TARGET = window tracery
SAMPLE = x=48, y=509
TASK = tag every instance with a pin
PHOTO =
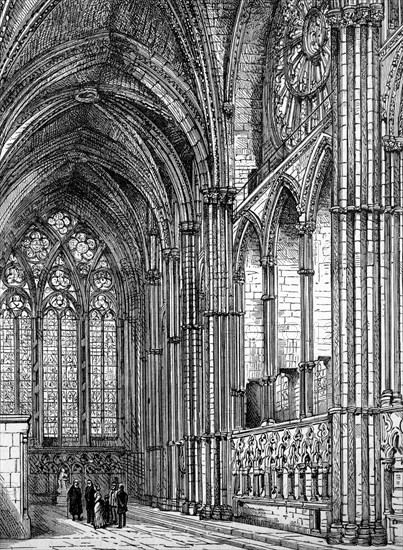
x=47, y=269
x=300, y=66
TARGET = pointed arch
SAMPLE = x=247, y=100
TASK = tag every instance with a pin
x=319, y=165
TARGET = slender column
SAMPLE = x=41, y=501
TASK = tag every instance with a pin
x=153, y=374
x=238, y=370
x=388, y=484
x=267, y=413
x=24, y=482
x=306, y=273
x=355, y=273
x=392, y=257
x=173, y=376
x=190, y=347
x=271, y=333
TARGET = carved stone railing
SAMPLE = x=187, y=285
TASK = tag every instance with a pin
x=283, y=463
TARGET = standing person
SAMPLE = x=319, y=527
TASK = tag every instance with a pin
x=121, y=500
x=75, y=496
x=99, y=509
x=113, y=513
x=90, y=501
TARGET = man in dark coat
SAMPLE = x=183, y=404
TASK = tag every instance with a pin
x=113, y=514
x=74, y=496
x=90, y=501
x=121, y=501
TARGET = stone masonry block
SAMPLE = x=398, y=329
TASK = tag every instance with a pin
x=6, y=440
x=9, y=465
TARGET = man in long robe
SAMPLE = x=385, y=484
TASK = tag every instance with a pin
x=75, y=496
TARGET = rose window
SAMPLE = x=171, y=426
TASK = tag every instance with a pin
x=300, y=68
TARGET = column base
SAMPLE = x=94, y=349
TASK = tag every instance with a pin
x=226, y=512
x=216, y=512
x=364, y=535
x=25, y=528
x=192, y=508
x=206, y=512
x=334, y=536
x=350, y=534
x=397, y=398
x=165, y=504
x=386, y=397
x=184, y=506
x=379, y=536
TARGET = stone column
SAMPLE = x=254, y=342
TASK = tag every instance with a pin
x=388, y=464
x=392, y=262
x=238, y=353
x=218, y=235
x=173, y=382
x=269, y=324
x=356, y=493
x=190, y=354
x=153, y=382
x=306, y=273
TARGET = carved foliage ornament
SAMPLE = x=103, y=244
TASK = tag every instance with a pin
x=300, y=51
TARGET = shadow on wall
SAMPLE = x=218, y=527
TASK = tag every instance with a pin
x=10, y=522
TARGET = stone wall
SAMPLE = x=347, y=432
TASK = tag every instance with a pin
x=15, y=522
x=288, y=281
x=254, y=336
x=322, y=296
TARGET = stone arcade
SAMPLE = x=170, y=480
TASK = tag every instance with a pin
x=201, y=239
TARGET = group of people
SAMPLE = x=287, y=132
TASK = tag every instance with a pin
x=101, y=512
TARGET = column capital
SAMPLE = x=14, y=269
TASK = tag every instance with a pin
x=306, y=365
x=219, y=195
x=237, y=393
x=155, y=351
x=173, y=340
x=228, y=109
x=153, y=277
x=171, y=254
x=239, y=277
x=306, y=227
x=361, y=14
x=393, y=143
x=307, y=272
x=189, y=227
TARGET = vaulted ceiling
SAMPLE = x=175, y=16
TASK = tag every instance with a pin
x=124, y=98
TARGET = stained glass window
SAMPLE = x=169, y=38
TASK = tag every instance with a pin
x=15, y=340
x=59, y=271
x=69, y=376
x=25, y=351
x=50, y=375
x=7, y=364
x=103, y=352
x=110, y=371
x=96, y=372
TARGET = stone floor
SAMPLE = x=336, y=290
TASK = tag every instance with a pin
x=151, y=529
x=52, y=530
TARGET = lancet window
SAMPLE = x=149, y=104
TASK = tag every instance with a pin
x=59, y=333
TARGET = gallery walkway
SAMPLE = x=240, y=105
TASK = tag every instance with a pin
x=151, y=529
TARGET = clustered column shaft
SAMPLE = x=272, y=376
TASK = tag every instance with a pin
x=356, y=502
